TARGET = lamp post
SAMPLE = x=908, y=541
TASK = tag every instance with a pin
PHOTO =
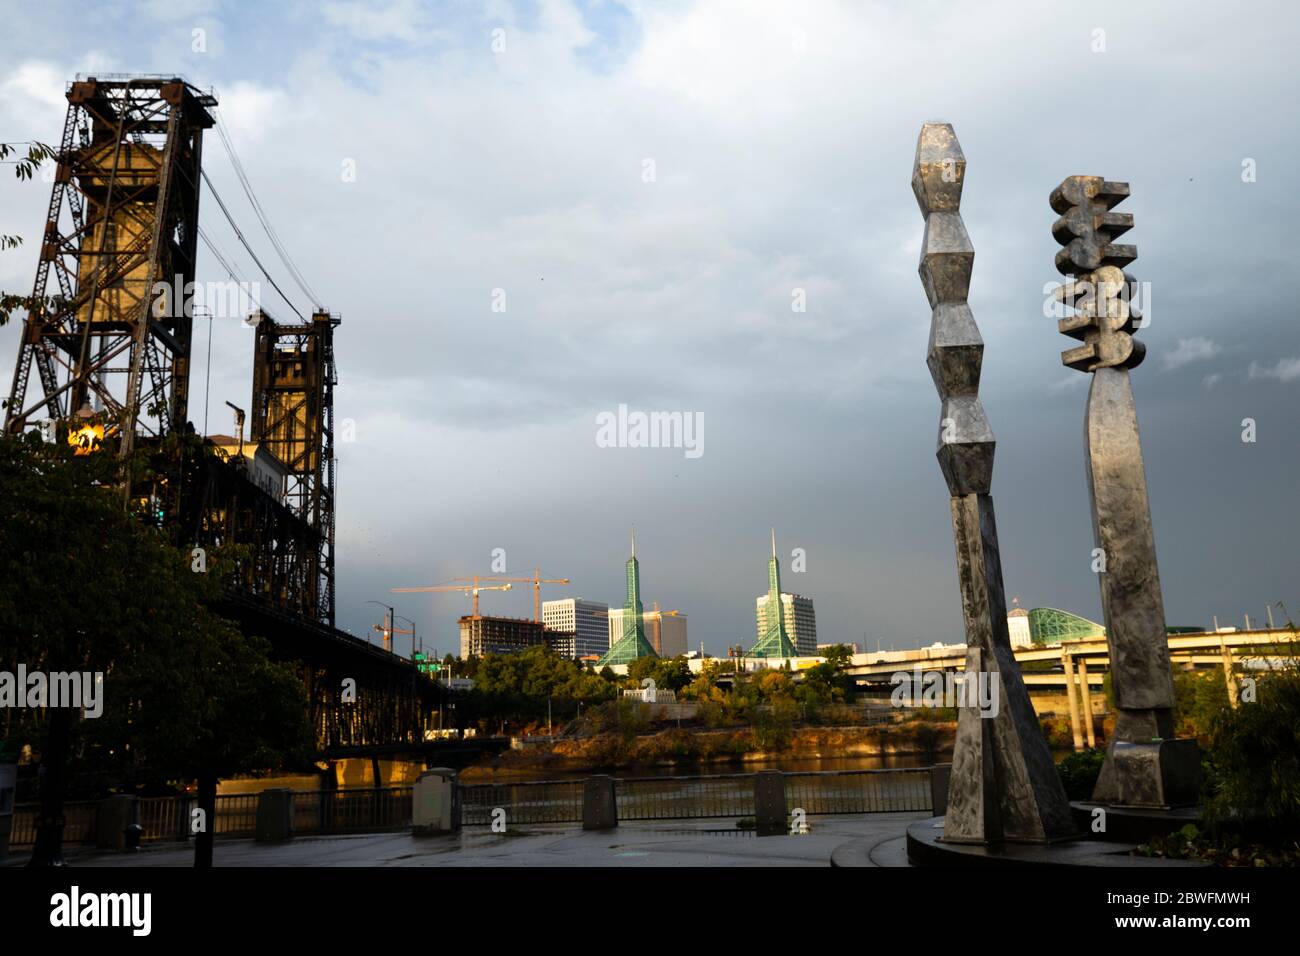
x=407, y=620
x=388, y=630
x=207, y=378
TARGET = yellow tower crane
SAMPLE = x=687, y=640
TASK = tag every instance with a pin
x=473, y=588
x=536, y=581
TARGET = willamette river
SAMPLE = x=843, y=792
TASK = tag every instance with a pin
x=482, y=773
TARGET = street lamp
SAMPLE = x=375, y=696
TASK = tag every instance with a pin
x=207, y=378
x=412, y=623
x=388, y=630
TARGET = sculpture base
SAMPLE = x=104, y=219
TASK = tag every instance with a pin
x=1154, y=775
x=1131, y=824
x=924, y=848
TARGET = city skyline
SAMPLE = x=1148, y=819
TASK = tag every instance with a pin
x=693, y=311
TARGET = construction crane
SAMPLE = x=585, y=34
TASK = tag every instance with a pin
x=536, y=581
x=473, y=588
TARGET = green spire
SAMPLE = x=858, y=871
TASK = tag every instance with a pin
x=775, y=641
x=633, y=643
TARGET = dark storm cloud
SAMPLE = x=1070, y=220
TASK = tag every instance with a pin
x=782, y=143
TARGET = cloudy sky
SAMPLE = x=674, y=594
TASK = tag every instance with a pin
x=649, y=183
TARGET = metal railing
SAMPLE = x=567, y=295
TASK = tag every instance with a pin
x=534, y=801
x=859, y=791
x=323, y=812
x=684, y=798
x=80, y=819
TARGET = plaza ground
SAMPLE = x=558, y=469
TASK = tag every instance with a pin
x=696, y=843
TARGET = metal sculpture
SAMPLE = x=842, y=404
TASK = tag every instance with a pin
x=1144, y=766
x=1004, y=786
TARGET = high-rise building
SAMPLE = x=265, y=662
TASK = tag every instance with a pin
x=632, y=644
x=666, y=631
x=576, y=628
x=776, y=617
x=800, y=621
x=1018, y=627
x=481, y=635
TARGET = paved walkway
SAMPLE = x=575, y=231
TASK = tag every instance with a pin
x=698, y=843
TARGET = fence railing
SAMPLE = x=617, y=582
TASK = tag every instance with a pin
x=533, y=801
x=323, y=812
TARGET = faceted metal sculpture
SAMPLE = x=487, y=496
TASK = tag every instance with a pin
x=1143, y=767
x=1004, y=785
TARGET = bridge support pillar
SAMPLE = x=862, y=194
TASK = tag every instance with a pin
x=770, y=816
x=1076, y=730
x=599, y=806
x=1085, y=700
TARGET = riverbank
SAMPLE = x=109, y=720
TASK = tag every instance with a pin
x=718, y=750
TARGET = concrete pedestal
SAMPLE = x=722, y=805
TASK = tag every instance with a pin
x=435, y=802
x=274, y=816
x=1158, y=774
x=115, y=815
x=599, y=806
x=770, y=817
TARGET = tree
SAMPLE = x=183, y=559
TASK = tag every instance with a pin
x=24, y=169
x=839, y=657
x=87, y=586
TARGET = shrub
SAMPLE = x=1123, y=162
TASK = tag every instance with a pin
x=1079, y=771
x=1255, y=750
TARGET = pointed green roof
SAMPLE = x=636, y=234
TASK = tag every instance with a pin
x=633, y=643
x=775, y=641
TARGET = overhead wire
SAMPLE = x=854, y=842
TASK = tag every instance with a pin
x=294, y=272
x=249, y=249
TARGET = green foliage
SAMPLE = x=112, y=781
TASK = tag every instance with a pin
x=667, y=673
x=24, y=169
x=1220, y=849
x=87, y=586
x=1199, y=698
x=1255, y=750
x=838, y=657
x=517, y=687
x=1079, y=771
x=773, y=725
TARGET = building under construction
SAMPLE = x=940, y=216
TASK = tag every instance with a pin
x=498, y=635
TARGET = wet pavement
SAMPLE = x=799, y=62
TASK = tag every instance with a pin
x=696, y=843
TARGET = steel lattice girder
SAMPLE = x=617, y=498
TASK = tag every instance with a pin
x=123, y=217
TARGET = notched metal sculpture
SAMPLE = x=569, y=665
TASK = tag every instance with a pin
x=1004, y=785
x=1144, y=766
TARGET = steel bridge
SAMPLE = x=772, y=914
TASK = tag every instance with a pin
x=109, y=332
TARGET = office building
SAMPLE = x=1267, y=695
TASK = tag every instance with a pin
x=665, y=630
x=576, y=628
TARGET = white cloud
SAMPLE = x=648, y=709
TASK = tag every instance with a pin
x=397, y=20
x=1188, y=351
x=250, y=112
x=1285, y=370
